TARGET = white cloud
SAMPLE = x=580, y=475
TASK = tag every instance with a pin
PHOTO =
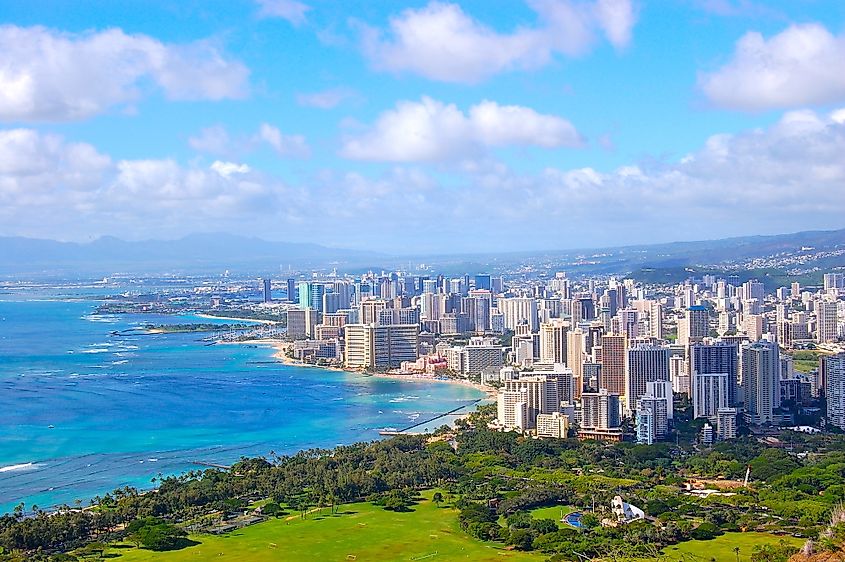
x=216, y=140
x=54, y=188
x=440, y=41
x=285, y=145
x=46, y=75
x=430, y=130
x=327, y=99
x=802, y=65
x=786, y=177
x=291, y=10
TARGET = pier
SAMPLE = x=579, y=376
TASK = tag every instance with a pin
x=437, y=417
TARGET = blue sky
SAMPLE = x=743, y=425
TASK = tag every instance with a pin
x=422, y=126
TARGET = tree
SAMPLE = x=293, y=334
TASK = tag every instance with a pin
x=155, y=534
x=522, y=539
x=437, y=498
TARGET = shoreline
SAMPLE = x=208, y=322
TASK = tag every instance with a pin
x=211, y=316
x=282, y=346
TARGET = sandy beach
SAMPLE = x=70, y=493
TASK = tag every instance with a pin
x=283, y=346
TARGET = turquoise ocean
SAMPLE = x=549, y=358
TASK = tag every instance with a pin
x=83, y=411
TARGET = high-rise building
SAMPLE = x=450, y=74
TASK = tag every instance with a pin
x=369, y=346
x=553, y=341
x=267, y=291
x=761, y=381
x=540, y=396
x=613, y=363
x=832, y=372
x=827, y=329
x=519, y=310
x=646, y=363
x=709, y=394
x=678, y=374
x=554, y=425
x=575, y=358
x=652, y=422
x=512, y=409
x=291, y=290
x=600, y=416
x=716, y=359
x=644, y=425
x=311, y=295
x=834, y=281
x=370, y=310
x=726, y=423
x=694, y=327
x=480, y=354
x=483, y=281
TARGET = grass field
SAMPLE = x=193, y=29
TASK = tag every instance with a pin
x=553, y=513
x=361, y=532
x=721, y=548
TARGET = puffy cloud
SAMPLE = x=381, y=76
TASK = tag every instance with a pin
x=800, y=66
x=327, y=99
x=53, y=188
x=217, y=141
x=785, y=177
x=430, y=130
x=291, y=10
x=441, y=42
x=46, y=75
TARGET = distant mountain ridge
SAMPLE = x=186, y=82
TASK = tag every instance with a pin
x=203, y=253
x=195, y=252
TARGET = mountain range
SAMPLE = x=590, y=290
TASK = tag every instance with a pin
x=204, y=253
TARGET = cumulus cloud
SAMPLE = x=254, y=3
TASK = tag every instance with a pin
x=430, y=130
x=291, y=10
x=785, y=177
x=800, y=66
x=442, y=42
x=46, y=75
x=54, y=188
x=216, y=140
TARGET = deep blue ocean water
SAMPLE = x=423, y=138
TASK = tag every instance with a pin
x=83, y=412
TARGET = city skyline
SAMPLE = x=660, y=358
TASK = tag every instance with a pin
x=425, y=125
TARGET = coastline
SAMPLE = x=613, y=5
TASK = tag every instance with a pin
x=213, y=317
x=281, y=347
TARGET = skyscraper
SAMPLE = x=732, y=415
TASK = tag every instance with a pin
x=720, y=358
x=292, y=295
x=613, y=363
x=369, y=346
x=694, y=327
x=483, y=281
x=761, y=381
x=646, y=363
x=267, y=292
x=832, y=370
x=827, y=327
x=553, y=341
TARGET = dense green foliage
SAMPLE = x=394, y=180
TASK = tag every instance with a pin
x=494, y=480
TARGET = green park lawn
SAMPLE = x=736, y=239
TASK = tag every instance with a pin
x=363, y=532
x=553, y=513
x=721, y=549
x=360, y=532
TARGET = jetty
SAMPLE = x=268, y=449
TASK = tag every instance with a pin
x=405, y=431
